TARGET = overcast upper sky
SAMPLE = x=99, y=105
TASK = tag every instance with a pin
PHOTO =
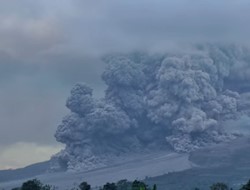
x=46, y=46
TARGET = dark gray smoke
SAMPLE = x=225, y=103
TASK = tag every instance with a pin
x=154, y=102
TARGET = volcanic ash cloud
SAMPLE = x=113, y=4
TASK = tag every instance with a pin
x=152, y=102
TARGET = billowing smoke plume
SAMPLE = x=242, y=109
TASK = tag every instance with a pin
x=152, y=102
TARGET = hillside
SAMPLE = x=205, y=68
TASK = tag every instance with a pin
x=146, y=166
x=228, y=162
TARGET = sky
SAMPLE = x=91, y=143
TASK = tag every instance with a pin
x=48, y=46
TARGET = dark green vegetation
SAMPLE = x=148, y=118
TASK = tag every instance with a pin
x=84, y=186
x=246, y=186
x=219, y=186
x=35, y=184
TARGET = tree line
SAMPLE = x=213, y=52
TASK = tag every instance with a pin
x=36, y=184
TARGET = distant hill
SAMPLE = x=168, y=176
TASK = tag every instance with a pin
x=26, y=172
x=227, y=162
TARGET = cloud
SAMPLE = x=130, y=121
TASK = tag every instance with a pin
x=26, y=37
x=33, y=96
x=29, y=105
x=96, y=27
x=239, y=126
x=128, y=25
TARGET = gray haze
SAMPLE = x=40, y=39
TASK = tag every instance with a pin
x=47, y=46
